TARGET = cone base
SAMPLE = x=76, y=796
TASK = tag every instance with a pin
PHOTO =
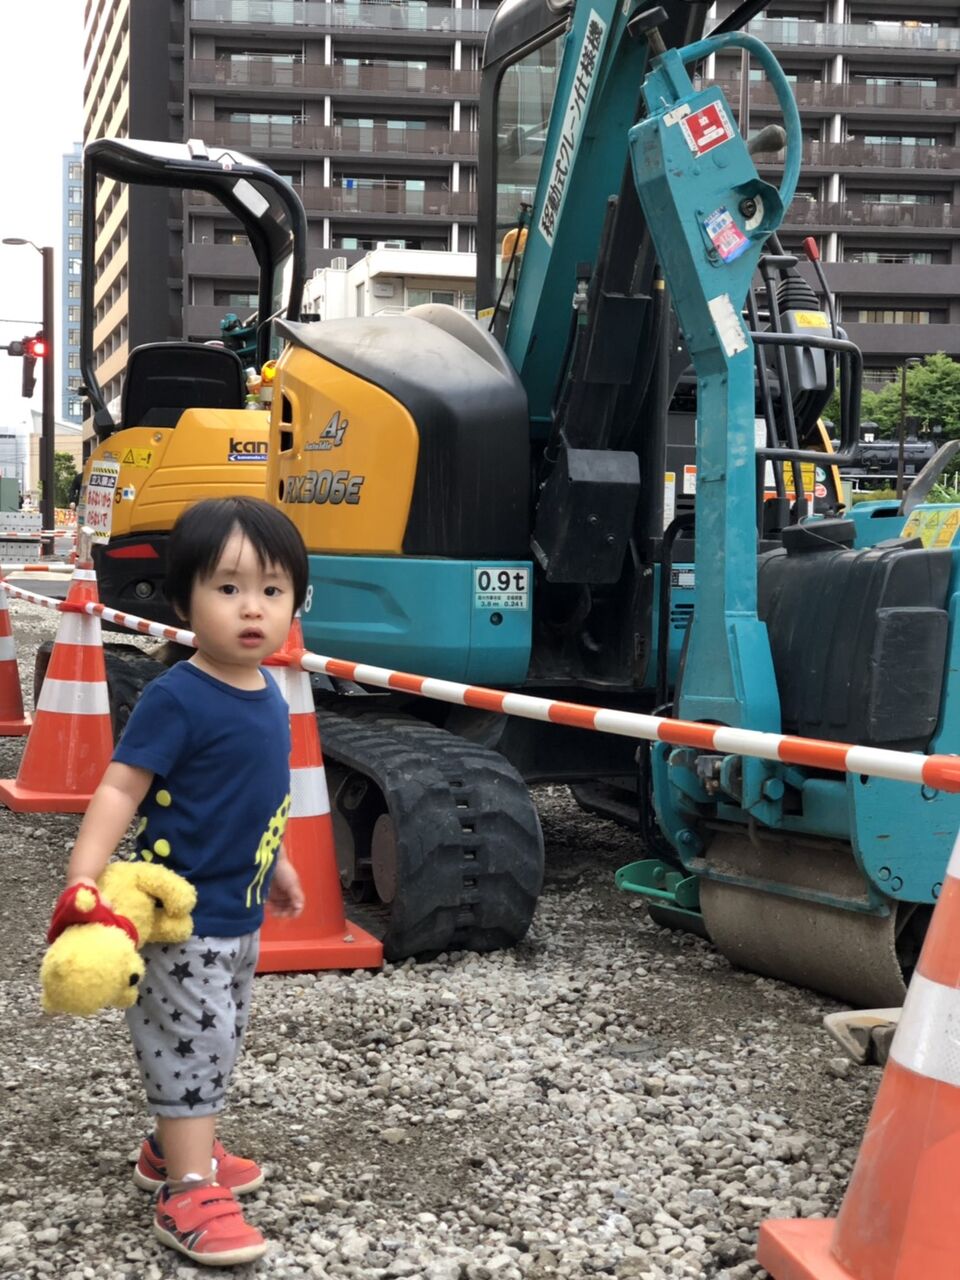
x=24, y=800
x=799, y=1249
x=15, y=728
x=304, y=955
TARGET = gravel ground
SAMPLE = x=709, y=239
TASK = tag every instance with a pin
x=608, y=1099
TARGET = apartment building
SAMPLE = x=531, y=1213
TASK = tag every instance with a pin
x=879, y=99
x=133, y=88
x=71, y=406
x=368, y=109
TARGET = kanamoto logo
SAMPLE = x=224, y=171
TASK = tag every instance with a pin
x=247, y=450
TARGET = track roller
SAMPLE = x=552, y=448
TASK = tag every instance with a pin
x=440, y=835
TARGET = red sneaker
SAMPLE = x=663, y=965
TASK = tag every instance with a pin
x=233, y=1172
x=208, y=1226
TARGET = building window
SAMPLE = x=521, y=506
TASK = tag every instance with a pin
x=870, y=315
x=223, y=235
x=73, y=289
x=73, y=360
x=74, y=244
x=74, y=218
x=73, y=383
x=75, y=408
x=915, y=257
x=74, y=171
x=235, y=298
x=74, y=195
x=894, y=197
x=73, y=315
x=73, y=337
x=73, y=266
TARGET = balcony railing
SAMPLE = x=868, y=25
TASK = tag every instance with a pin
x=334, y=79
x=807, y=213
x=339, y=139
x=350, y=16
x=846, y=97
x=797, y=32
x=862, y=155
x=389, y=200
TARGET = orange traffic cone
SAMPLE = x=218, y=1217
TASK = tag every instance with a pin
x=13, y=721
x=896, y=1221
x=321, y=937
x=71, y=741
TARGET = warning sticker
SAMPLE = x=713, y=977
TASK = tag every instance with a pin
x=707, y=128
x=812, y=320
x=99, y=504
x=669, y=496
x=936, y=527
x=137, y=458
x=724, y=234
x=689, y=479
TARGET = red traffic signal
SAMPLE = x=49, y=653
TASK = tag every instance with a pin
x=35, y=347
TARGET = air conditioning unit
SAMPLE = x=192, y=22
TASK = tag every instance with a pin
x=339, y=264
x=390, y=244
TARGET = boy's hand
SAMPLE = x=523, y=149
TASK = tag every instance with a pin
x=286, y=895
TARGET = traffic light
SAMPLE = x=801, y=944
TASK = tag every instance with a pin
x=34, y=349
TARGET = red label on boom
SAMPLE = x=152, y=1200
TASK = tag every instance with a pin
x=706, y=128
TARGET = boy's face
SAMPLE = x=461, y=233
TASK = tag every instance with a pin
x=242, y=613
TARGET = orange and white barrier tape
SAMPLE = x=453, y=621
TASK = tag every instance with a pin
x=939, y=772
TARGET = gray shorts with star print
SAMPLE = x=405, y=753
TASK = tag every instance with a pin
x=188, y=1023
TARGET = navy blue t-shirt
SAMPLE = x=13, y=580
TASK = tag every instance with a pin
x=220, y=797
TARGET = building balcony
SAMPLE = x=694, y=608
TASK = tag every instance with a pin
x=340, y=140
x=224, y=261
x=897, y=340
x=798, y=33
x=884, y=280
x=930, y=218
x=378, y=201
x=350, y=81
x=895, y=158
x=818, y=97
x=353, y=16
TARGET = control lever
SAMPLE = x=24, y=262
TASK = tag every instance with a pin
x=773, y=137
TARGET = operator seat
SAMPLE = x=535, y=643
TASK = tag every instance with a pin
x=165, y=378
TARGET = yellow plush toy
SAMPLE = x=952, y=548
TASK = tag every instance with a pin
x=93, y=960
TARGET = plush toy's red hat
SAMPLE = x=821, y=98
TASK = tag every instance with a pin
x=82, y=904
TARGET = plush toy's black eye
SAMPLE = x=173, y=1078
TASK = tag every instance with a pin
x=158, y=902
x=134, y=979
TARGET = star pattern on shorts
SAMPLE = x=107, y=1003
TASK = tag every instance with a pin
x=176, y=1015
x=190, y=1098
x=209, y=957
x=184, y=1048
x=218, y=1080
x=181, y=972
x=207, y=1019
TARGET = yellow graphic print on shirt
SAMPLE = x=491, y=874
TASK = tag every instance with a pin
x=267, y=850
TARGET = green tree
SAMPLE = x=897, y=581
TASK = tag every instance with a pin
x=933, y=399
x=64, y=473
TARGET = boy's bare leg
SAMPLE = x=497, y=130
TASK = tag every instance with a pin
x=187, y=1144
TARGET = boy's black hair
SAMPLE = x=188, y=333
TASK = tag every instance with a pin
x=202, y=531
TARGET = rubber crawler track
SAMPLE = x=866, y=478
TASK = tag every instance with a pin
x=469, y=844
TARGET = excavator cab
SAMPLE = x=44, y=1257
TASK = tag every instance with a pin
x=180, y=428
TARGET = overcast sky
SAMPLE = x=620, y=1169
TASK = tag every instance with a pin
x=41, y=109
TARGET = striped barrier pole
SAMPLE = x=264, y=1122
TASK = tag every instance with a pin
x=939, y=772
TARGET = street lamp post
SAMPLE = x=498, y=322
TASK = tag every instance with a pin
x=902, y=434
x=47, y=437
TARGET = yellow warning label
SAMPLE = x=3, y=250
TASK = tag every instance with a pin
x=812, y=320
x=936, y=527
x=137, y=458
